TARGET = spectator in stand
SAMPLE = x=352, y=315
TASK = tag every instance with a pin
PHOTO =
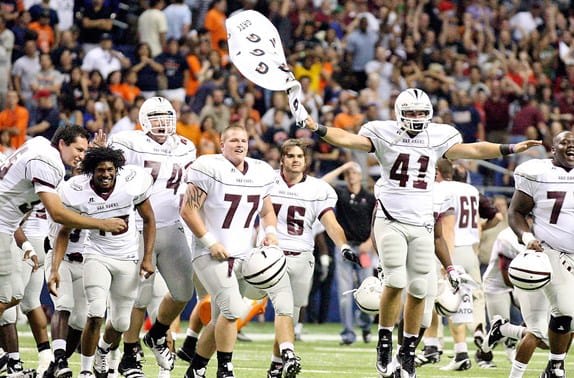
x=497, y=112
x=48, y=78
x=68, y=42
x=566, y=105
x=97, y=86
x=46, y=35
x=206, y=89
x=188, y=126
x=209, y=141
x=95, y=19
x=217, y=109
x=70, y=114
x=11, y=10
x=466, y=118
x=176, y=72
x=278, y=101
x=14, y=119
x=215, y=24
x=76, y=88
x=128, y=122
x=104, y=58
x=152, y=27
x=350, y=118
x=126, y=88
x=178, y=16
x=6, y=47
x=197, y=66
x=45, y=118
x=24, y=70
x=360, y=50
x=147, y=70
x=529, y=115
x=65, y=64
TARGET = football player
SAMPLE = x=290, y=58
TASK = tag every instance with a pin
x=224, y=194
x=544, y=187
x=299, y=200
x=407, y=150
x=469, y=207
x=111, y=260
x=166, y=156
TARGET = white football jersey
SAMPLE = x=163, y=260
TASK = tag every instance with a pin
x=133, y=186
x=408, y=168
x=442, y=201
x=297, y=208
x=37, y=223
x=165, y=162
x=33, y=168
x=465, y=201
x=76, y=240
x=552, y=189
x=234, y=199
x=507, y=245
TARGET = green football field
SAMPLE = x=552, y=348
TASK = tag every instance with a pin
x=321, y=357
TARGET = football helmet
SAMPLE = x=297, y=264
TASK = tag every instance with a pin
x=157, y=116
x=530, y=270
x=264, y=267
x=368, y=295
x=447, y=301
x=413, y=100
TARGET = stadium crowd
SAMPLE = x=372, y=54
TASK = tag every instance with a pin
x=498, y=71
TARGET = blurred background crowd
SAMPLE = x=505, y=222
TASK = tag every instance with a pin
x=499, y=71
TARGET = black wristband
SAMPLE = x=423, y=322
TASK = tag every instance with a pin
x=506, y=149
x=321, y=130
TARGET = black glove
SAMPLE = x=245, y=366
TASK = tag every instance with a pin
x=349, y=255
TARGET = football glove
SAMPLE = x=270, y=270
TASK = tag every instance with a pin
x=349, y=255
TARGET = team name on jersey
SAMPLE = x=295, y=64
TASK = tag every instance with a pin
x=106, y=206
x=415, y=141
x=241, y=180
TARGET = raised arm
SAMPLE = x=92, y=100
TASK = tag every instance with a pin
x=339, y=137
x=487, y=150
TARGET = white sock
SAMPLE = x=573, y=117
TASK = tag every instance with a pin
x=386, y=328
x=286, y=345
x=460, y=348
x=552, y=356
x=276, y=359
x=103, y=345
x=518, y=369
x=431, y=341
x=59, y=344
x=86, y=363
x=191, y=333
x=512, y=330
x=14, y=355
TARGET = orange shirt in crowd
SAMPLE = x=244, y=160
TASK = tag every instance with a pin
x=46, y=37
x=215, y=24
x=347, y=121
x=19, y=118
x=192, y=83
x=189, y=131
x=126, y=91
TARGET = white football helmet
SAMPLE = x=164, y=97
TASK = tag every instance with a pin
x=368, y=295
x=447, y=301
x=413, y=100
x=264, y=267
x=530, y=270
x=157, y=116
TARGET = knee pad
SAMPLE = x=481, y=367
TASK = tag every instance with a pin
x=97, y=308
x=9, y=316
x=418, y=287
x=145, y=293
x=560, y=324
x=121, y=323
x=395, y=277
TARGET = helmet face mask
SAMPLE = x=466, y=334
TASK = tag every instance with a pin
x=157, y=117
x=413, y=110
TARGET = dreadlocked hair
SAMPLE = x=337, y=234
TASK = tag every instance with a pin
x=97, y=155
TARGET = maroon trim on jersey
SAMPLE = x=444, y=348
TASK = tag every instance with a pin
x=187, y=165
x=100, y=194
x=290, y=185
x=324, y=212
x=36, y=180
x=245, y=167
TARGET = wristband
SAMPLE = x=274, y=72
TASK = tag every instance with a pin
x=450, y=268
x=325, y=260
x=346, y=246
x=27, y=246
x=270, y=230
x=208, y=240
x=527, y=237
x=507, y=149
x=321, y=130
